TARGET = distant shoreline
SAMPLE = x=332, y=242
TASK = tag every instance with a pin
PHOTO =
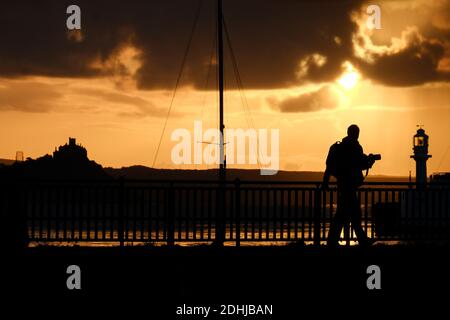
x=142, y=172
x=147, y=173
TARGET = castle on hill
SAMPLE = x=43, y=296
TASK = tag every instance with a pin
x=69, y=162
x=71, y=152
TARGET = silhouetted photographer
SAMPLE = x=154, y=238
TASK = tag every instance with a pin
x=346, y=161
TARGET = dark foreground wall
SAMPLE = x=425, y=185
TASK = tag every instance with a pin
x=150, y=283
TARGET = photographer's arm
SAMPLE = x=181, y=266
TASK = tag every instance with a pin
x=371, y=160
x=367, y=161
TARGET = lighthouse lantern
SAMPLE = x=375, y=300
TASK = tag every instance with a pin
x=420, y=148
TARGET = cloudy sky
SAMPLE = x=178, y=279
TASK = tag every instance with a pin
x=309, y=68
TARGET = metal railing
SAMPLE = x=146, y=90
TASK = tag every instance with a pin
x=157, y=212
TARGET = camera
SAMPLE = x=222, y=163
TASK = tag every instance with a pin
x=374, y=157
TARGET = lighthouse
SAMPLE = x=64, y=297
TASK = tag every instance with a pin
x=420, y=148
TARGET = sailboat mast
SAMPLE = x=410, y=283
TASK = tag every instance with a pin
x=222, y=167
x=220, y=222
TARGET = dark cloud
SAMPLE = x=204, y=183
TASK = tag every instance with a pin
x=323, y=98
x=270, y=39
x=415, y=64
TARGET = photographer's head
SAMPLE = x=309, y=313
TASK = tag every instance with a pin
x=353, y=132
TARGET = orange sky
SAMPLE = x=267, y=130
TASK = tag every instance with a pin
x=121, y=125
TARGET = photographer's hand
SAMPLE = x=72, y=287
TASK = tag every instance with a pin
x=371, y=160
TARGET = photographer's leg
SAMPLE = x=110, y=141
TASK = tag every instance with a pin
x=356, y=221
x=337, y=223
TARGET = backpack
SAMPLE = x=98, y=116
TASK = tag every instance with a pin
x=334, y=159
x=336, y=163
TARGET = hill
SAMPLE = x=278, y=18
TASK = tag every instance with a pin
x=146, y=173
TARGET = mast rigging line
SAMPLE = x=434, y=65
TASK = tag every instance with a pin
x=208, y=74
x=247, y=112
x=207, y=81
x=443, y=158
x=183, y=63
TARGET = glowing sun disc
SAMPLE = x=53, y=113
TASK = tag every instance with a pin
x=349, y=79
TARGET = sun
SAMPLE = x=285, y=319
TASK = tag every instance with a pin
x=350, y=77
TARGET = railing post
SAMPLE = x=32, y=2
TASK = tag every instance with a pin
x=220, y=223
x=14, y=231
x=171, y=216
x=121, y=217
x=237, y=190
x=317, y=214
